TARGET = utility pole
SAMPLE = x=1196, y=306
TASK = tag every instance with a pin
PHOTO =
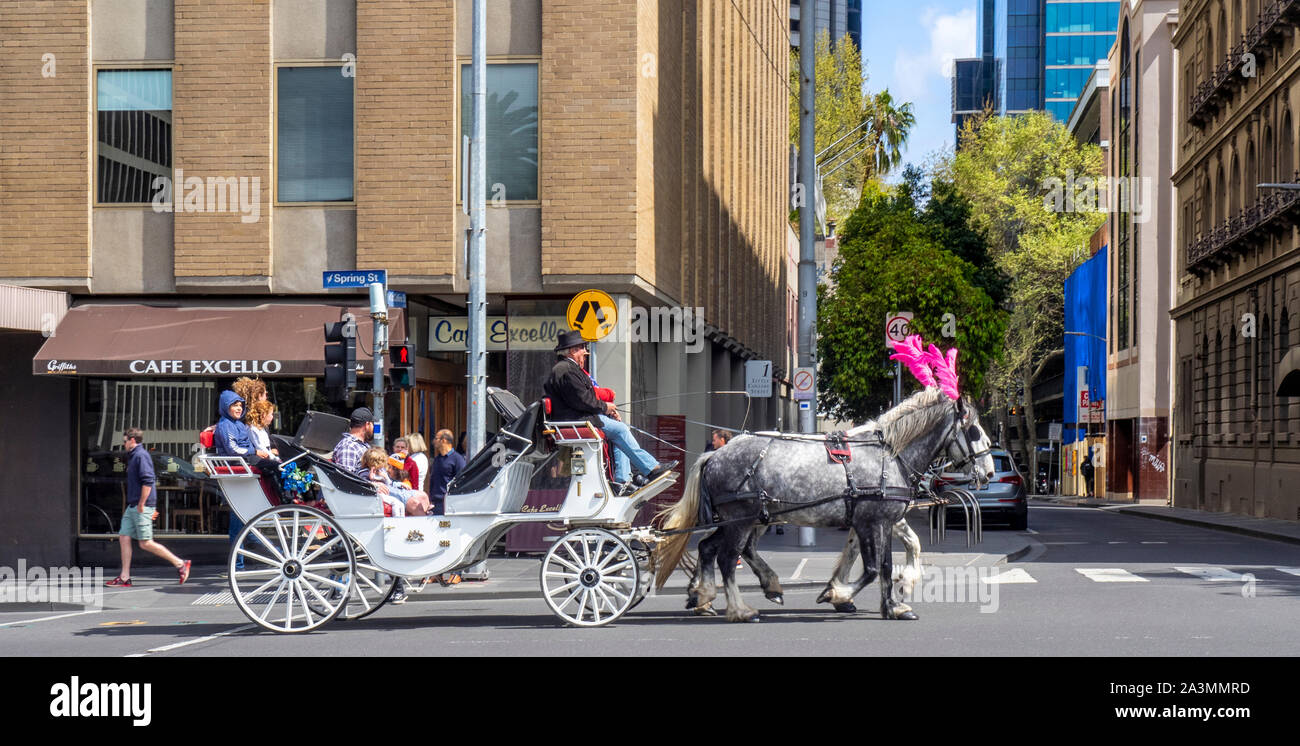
x=477, y=419
x=378, y=313
x=807, y=234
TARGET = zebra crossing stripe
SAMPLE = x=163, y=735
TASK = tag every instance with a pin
x=1290, y=570
x=1109, y=575
x=1210, y=573
x=1016, y=575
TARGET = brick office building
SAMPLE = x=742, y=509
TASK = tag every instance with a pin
x=1237, y=346
x=638, y=148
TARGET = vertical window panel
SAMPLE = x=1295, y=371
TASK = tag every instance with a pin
x=315, y=126
x=133, y=119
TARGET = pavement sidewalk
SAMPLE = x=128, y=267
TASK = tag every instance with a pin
x=1261, y=528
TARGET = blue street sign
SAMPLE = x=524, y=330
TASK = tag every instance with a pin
x=396, y=299
x=358, y=278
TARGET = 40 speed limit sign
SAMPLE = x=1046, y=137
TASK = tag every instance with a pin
x=897, y=326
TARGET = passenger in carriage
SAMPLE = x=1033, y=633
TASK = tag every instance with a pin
x=233, y=438
x=573, y=397
x=376, y=469
x=376, y=464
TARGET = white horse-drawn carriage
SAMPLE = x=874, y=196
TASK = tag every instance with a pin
x=309, y=561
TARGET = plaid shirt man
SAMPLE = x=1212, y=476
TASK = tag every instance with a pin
x=348, y=453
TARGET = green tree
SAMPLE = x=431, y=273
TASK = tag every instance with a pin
x=890, y=261
x=867, y=131
x=1011, y=172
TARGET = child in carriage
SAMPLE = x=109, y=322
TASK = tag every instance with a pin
x=411, y=502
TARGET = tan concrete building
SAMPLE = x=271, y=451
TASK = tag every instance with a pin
x=1141, y=279
x=196, y=154
x=1237, y=447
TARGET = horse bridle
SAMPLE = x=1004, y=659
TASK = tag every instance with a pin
x=962, y=439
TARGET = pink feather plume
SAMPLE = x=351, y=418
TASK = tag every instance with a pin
x=909, y=351
x=945, y=370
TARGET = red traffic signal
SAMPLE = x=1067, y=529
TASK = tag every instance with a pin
x=400, y=355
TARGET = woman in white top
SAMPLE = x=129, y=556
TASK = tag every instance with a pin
x=260, y=416
x=419, y=450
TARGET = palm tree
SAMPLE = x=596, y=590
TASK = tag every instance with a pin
x=890, y=126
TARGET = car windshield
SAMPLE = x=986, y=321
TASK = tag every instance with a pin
x=1001, y=463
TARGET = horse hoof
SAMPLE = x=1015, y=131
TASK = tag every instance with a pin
x=825, y=596
x=908, y=615
x=847, y=608
x=748, y=615
x=776, y=598
x=692, y=601
x=705, y=611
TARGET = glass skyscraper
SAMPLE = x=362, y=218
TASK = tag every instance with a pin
x=1078, y=34
x=1033, y=55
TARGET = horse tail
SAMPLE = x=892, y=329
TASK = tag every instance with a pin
x=684, y=514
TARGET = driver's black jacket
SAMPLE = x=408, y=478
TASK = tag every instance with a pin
x=572, y=395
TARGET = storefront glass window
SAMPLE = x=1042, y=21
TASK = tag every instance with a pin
x=171, y=413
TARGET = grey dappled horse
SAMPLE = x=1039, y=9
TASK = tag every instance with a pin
x=793, y=478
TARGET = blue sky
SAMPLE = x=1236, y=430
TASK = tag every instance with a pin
x=908, y=48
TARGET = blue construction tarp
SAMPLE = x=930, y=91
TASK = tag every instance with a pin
x=1085, y=311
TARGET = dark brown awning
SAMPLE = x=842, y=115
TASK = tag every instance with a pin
x=275, y=339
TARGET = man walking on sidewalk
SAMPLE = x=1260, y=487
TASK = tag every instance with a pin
x=137, y=521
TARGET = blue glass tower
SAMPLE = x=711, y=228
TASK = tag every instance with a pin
x=1078, y=33
x=1033, y=55
x=1018, y=43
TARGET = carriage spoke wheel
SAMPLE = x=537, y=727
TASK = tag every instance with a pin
x=299, y=568
x=371, y=588
x=590, y=577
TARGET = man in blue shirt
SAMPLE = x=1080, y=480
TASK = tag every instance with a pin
x=446, y=465
x=137, y=522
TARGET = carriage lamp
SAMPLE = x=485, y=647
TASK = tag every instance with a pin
x=579, y=466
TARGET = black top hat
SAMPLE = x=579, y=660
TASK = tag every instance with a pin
x=569, y=339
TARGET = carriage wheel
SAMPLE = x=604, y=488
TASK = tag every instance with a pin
x=590, y=577
x=298, y=569
x=371, y=589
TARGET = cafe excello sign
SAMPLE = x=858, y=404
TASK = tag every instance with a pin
x=451, y=333
x=204, y=367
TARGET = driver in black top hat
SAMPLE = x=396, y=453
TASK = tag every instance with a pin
x=573, y=397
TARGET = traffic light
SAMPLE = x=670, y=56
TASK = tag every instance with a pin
x=340, y=358
x=401, y=366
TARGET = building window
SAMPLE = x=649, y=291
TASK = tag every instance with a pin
x=1216, y=393
x=133, y=122
x=1204, y=408
x=1283, y=344
x=314, y=135
x=511, y=128
x=1265, y=355
x=1234, y=385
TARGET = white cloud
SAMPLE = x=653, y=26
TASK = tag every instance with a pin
x=950, y=36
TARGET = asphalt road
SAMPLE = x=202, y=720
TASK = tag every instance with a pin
x=1096, y=583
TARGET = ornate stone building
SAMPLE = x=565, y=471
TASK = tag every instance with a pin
x=1237, y=376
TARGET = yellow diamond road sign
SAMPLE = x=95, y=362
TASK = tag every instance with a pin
x=593, y=314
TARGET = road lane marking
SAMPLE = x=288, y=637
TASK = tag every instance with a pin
x=1155, y=542
x=799, y=569
x=1010, y=576
x=49, y=618
x=1210, y=573
x=1290, y=570
x=195, y=641
x=1062, y=543
x=1109, y=575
